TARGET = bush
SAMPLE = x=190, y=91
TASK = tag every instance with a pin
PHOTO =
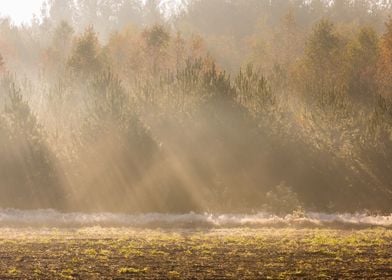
x=282, y=200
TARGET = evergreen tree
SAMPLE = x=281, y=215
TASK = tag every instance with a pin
x=28, y=169
x=385, y=62
x=157, y=41
x=85, y=59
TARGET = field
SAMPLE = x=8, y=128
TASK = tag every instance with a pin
x=125, y=253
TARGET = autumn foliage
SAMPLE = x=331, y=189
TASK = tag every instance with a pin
x=171, y=107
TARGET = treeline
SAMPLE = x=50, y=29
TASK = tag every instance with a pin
x=276, y=113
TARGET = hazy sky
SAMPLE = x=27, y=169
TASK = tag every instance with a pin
x=20, y=10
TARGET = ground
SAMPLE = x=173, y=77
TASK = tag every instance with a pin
x=124, y=253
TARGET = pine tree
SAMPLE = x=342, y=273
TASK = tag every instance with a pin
x=385, y=62
x=85, y=60
x=1, y=61
x=157, y=40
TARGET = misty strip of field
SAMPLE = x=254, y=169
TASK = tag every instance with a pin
x=10, y=218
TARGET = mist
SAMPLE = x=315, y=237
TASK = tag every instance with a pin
x=198, y=106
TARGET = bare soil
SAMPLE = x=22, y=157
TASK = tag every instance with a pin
x=123, y=253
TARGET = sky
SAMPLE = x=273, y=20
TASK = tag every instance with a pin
x=20, y=11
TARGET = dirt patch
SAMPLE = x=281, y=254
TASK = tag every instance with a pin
x=108, y=253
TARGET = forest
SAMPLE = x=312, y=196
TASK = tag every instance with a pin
x=175, y=106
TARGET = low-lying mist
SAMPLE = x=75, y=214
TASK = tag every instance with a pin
x=16, y=221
